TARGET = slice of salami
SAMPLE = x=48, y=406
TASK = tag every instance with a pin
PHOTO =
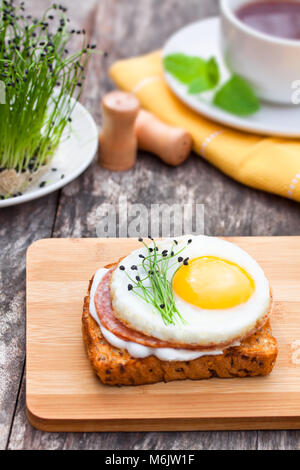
x=110, y=321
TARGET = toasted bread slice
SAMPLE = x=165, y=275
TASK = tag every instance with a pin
x=255, y=356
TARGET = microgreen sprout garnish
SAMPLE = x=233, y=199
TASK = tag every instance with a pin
x=40, y=77
x=152, y=284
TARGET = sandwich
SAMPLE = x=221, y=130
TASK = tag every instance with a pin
x=194, y=307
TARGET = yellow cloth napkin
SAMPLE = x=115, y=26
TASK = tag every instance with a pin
x=266, y=163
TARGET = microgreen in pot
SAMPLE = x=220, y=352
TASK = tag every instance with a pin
x=40, y=77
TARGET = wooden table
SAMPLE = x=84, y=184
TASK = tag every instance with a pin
x=123, y=28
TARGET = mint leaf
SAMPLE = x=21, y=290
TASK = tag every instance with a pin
x=199, y=85
x=196, y=72
x=213, y=72
x=237, y=97
x=185, y=68
x=208, y=80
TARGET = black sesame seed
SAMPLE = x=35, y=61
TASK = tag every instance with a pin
x=176, y=242
x=130, y=286
x=150, y=249
x=162, y=305
x=140, y=239
x=190, y=241
x=122, y=268
x=137, y=278
x=42, y=184
x=180, y=259
x=141, y=256
x=185, y=262
x=134, y=268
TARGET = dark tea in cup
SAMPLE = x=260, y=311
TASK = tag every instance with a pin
x=274, y=17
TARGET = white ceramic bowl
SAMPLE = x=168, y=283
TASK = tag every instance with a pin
x=270, y=64
x=74, y=154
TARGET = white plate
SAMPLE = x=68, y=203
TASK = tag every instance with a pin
x=72, y=157
x=203, y=39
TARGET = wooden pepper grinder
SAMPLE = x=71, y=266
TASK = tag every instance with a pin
x=172, y=144
x=118, y=142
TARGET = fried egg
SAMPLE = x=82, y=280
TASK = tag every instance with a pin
x=220, y=292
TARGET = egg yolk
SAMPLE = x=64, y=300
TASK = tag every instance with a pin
x=210, y=282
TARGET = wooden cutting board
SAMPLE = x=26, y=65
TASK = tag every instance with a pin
x=63, y=394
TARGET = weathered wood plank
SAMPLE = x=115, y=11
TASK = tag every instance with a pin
x=280, y=440
x=20, y=226
x=124, y=29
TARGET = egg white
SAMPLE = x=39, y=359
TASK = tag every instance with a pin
x=203, y=327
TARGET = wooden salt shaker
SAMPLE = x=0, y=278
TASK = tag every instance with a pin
x=172, y=144
x=118, y=142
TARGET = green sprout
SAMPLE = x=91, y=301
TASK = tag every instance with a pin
x=40, y=79
x=154, y=267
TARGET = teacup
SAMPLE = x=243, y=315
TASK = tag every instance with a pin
x=270, y=64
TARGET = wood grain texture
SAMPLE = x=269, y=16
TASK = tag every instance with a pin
x=124, y=28
x=64, y=394
x=20, y=226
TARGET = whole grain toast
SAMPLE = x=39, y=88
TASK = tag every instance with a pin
x=255, y=356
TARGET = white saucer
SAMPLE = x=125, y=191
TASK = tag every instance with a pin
x=203, y=39
x=72, y=157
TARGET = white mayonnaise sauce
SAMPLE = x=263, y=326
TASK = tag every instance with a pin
x=138, y=350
